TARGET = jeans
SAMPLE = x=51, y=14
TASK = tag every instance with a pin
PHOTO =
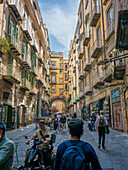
x=101, y=132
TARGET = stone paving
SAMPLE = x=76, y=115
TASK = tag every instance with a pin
x=115, y=157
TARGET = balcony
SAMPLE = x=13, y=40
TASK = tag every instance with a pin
x=61, y=68
x=26, y=29
x=74, y=88
x=87, y=66
x=33, y=45
x=74, y=101
x=108, y=73
x=74, y=69
x=25, y=85
x=81, y=76
x=82, y=96
x=105, y=2
x=44, y=67
x=40, y=58
x=33, y=90
x=80, y=53
x=26, y=61
x=87, y=37
x=74, y=50
x=88, y=91
x=96, y=48
x=98, y=81
x=15, y=46
x=95, y=15
x=110, y=31
x=77, y=98
x=13, y=74
x=119, y=71
x=40, y=79
x=15, y=7
x=34, y=71
x=53, y=67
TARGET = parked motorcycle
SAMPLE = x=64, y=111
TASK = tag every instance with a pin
x=34, y=159
x=91, y=125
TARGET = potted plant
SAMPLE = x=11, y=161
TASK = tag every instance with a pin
x=105, y=67
x=110, y=54
x=4, y=46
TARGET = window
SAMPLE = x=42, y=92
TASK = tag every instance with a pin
x=66, y=87
x=53, y=78
x=89, y=58
x=61, y=81
x=53, y=89
x=60, y=60
x=86, y=2
x=66, y=77
x=61, y=91
x=98, y=37
x=60, y=72
x=53, y=64
x=66, y=67
x=61, y=66
x=110, y=20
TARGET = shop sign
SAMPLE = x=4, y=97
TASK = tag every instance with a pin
x=102, y=95
x=118, y=99
x=116, y=96
x=116, y=93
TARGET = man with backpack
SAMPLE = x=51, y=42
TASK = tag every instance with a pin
x=101, y=122
x=75, y=154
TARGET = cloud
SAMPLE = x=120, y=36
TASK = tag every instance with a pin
x=61, y=20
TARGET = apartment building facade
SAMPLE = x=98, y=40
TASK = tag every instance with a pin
x=102, y=75
x=59, y=81
x=24, y=69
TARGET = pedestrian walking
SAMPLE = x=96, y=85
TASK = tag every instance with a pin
x=75, y=115
x=101, y=122
x=63, y=123
x=93, y=118
x=6, y=149
x=59, y=123
x=55, y=123
x=76, y=154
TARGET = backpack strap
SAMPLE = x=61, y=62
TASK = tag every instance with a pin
x=80, y=144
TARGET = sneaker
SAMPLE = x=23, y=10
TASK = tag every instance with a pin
x=99, y=146
x=103, y=147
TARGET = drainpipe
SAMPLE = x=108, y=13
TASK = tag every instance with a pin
x=103, y=29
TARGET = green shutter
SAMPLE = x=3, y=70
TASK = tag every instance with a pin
x=23, y=73
x=33, y=59
x=10, y=59
x=16, y=34
x=26, y=49
x=23, y=50
x=10, y=29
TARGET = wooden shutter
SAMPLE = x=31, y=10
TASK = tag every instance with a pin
x=23, y=50
x=10, y=29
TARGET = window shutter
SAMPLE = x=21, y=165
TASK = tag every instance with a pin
x=23, y=73
x=23, y=50
x=10, y=29
x=16, y=34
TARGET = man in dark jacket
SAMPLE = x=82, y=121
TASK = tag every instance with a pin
x=6, y=149
x=76, y=131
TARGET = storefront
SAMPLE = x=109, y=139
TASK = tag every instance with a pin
x=6, y=116
x=116, y=109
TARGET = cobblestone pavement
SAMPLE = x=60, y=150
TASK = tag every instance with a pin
x=115, y=157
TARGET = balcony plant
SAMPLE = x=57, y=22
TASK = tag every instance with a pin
x=4, y=45
x=110, y=54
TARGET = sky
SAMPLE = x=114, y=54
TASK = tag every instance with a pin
x=60, y=17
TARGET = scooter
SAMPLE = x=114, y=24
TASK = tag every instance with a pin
x=34, y=159
x=91, y=124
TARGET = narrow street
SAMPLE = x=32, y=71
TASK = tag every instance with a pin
x=115, y=157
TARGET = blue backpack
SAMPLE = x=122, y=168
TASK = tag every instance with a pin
x=74, y=157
